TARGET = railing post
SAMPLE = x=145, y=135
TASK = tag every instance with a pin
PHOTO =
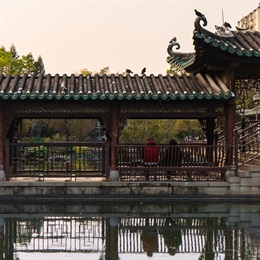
x=243, y=126
x=236, y=150
x=107, y=159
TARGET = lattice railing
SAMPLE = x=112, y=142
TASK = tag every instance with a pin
x=187, y=162
x=56, y=159
x=247, y=144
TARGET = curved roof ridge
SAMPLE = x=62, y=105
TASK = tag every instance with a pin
x=180, y=60
x=241, y=46
x=237, y=42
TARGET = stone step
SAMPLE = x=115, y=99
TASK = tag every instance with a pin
x=250, y=167
x=256, y=161
x=243, y=173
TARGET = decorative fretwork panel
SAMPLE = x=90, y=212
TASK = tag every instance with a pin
x=247, y=80
x=246, y=86
x=170, y=110
x=130, y=109
x=54, y=109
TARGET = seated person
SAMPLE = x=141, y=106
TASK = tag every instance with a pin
x=151, y=155
x=172, y=157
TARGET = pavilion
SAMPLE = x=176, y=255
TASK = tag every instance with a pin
x=224, y=66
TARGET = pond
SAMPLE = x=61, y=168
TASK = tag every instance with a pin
x=96, y=231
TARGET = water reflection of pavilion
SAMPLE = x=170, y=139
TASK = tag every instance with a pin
x=109, y=237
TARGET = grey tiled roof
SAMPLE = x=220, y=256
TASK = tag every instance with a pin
x=241, y=43
x=238, y=45
x=120, y=87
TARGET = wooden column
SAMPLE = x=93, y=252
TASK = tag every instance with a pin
x=210, y=127
x=1, y=137
x=230, y=115
x=230, y=121
x=114, y=134
x=231, y=107
x=230, y=125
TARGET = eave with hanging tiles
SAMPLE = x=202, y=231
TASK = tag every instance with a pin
x=113, y=87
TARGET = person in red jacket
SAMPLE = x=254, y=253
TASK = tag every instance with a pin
x=151, y=155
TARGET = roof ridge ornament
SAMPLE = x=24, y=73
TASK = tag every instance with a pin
x=173, y=42
x=200, y=17
x=224, y=30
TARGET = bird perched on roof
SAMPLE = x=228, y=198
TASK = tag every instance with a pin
x=226, y=24
x=174, y=39
x=128, y=71
x=218, y=27
x=220, y=30
x=143, y=71
x=62, y=86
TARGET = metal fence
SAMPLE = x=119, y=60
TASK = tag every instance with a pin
x=56, y=159
x=247, y=144
x=185, y=162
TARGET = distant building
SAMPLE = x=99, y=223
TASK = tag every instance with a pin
x=251, y=21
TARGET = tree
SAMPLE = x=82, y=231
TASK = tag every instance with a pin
x=5, y=58
x=58, y=129
x=39, y=66
x=77, y=129
x=28, y=63
x=162, y=130
x=11, y=63
x=15, y=63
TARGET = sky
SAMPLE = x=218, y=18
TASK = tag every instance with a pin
x=71, y=35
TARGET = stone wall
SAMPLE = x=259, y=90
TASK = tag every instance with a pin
x=245, y=184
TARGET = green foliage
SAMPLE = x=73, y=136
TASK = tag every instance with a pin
x=12, y=63
x=162, y=130
x=39, y=66
x=79, y=150
x=37, y=151
x=9, y=62
x=173, y=70
x=42, y=129
x=103, y=71
x=28, y=63
x=85, y=72
x=56, y=138
x=188, y=129
x=57, y=129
